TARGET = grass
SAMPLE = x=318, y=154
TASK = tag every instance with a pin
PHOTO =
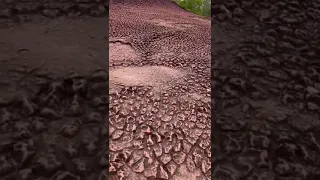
x=200, y=7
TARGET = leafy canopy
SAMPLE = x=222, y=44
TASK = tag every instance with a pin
x=200, y=7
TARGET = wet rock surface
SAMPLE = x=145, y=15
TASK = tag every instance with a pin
x=159, y=115
x=265, y=69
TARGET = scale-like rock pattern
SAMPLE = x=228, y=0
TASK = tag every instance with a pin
x=266, y=86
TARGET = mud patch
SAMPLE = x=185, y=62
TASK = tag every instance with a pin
x=121, y=52
x=184, y=26
x=156, y=76
x=57, y=42
x=170, y=24
x=203, y=19
x=160, y=22
x=198, y=97
x=183, y=173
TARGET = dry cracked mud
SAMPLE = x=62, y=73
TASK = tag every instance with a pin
x=265, y=57
x=160, y=110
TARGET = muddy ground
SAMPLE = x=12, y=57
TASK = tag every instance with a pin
x=265, y=69
x=265, y=97
x=53, y=92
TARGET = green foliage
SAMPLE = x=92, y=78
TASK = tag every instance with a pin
x=200, y=7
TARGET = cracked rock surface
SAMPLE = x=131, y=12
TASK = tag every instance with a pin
x=265, y=59
x=159, y=113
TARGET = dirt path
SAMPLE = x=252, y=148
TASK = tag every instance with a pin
x=159, y=92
